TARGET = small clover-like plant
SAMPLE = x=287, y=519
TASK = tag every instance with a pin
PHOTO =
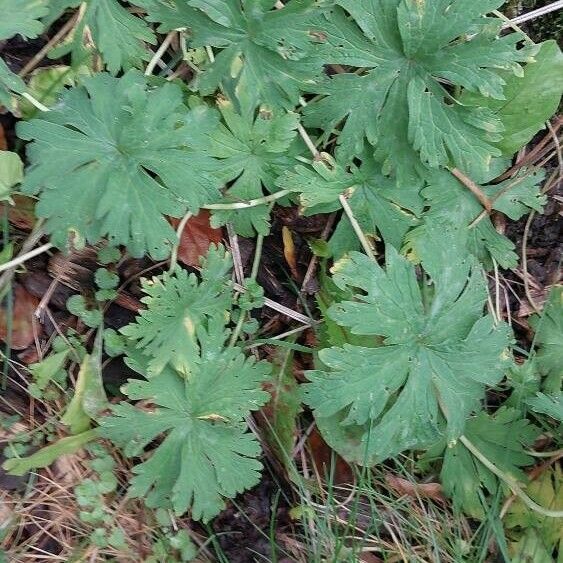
x=116, y=156
x=413, y=52
x=439, y=352
x=207, y=453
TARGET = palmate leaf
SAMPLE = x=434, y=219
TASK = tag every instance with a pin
x=253, y=147
x=532, y=536
x=530, y=101
x=552, y=405
x=22, y=17
x=177, y=304
x=270, y=51
x=118, y=35
x=503, y=439
x=19, y=17
x=449, y=200
x=438, y=355
x=402, y=106
x=377, y=205
x=207, y=452
x=548, y=338
x=10, y=83
x=114, y=157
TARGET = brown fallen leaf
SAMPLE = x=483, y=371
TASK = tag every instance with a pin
x=323, y=458
x=197, y=236
x=289, y=252
x=403, y=487
x=22, y=213
x=3, y=142
x=23, y=330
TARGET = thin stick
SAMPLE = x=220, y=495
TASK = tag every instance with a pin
x=176, y=248
x=539, y=12
x=159, y=52
x=25, y=257
x=235, y=251
x=281, y=336
x=255, y=266
x=40, y=55
x=473, y=188
x=34, y=102
x=525, y=261
x=281, y=308
x=357, y=229
x=308, y=141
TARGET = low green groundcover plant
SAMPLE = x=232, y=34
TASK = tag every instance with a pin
x=401, y=113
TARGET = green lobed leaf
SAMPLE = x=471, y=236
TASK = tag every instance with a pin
x=280, y=415
x=119, y=36
x=548, y=338
x=116, y=156
x=551, y=405
x=266, y=51
x=530, y=100
x=11, y=173
x=177, y=306
x=253, y=147
x=449, y=200
x=46, y=370
x=46, y=86
x=401, y=106
x=502, y=438
x=534, y=537
x=376, y=203
x=89, y=398
x=439, y=353
x=10, y=84
x=21, y=17
x=206, y=453
x=47, y=455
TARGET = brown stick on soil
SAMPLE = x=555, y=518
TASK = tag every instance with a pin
x=473, y=188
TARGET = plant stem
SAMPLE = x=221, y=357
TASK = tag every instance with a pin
x=34, y=102
x=257, y=256
x=176, y=248
x=159, y=52
x=357, y=229
x=25, y=257
x=539, y=12
x=249, y=203
x=473, y=188
x=254, y=272
x=512, y=484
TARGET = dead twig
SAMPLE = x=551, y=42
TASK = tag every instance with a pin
x=473, y=188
